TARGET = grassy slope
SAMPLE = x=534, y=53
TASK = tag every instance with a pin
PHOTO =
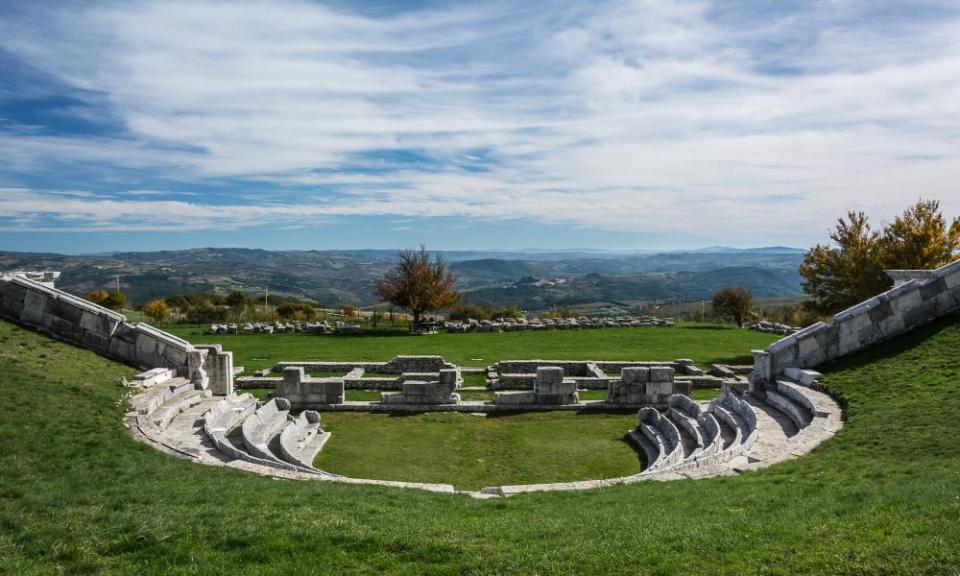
x=703, y=343
x=77, y=495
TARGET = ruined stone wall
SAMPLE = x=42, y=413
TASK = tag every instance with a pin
x=918, y=297
x=74, y=320
x=576, y=368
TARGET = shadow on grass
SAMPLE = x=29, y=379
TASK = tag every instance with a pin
x=897, y=345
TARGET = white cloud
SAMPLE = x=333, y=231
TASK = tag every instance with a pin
x=643, y=116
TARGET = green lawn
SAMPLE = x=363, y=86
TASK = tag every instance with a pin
x=79, y=496
x=704, y=343
x=471, y=452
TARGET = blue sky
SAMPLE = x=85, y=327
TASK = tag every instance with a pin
x=597, y=124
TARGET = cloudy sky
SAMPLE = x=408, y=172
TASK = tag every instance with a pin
x=601, y=124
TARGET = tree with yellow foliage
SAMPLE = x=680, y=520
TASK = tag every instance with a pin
x=852, y=268
x=921, y=239
x=156, y=310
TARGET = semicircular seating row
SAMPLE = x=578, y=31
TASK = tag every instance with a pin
x=689, y=440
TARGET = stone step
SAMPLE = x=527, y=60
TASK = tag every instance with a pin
x=800, y=417
x=691, y=438
x=157, y=395
x=176, y=404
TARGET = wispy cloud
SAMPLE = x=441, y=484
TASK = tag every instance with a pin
x=663, y=117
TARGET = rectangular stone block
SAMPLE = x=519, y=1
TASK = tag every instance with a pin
x=34, y=308
x=635, y=375
x=63, y=328
x=906, y=300
x=933, y=288
x=684, y=387
x=515, y=398
x=547, y=375
x=448, y=377
x=14, y=292
x=953, y=279
x=293, y=375
x=661, y=388
x=880, y=312
x=661, y=374
x=807, y=346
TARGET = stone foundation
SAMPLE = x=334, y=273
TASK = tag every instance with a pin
x=305, y=392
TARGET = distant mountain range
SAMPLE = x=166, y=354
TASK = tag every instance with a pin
x=530, y=280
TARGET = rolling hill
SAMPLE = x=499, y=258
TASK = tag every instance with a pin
x=530, y=280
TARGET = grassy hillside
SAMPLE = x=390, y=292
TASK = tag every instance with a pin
x=704, y=343
x=79, y=496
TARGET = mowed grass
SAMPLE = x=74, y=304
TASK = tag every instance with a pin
x=704, y=343
x=79, y=496
x=471, y=452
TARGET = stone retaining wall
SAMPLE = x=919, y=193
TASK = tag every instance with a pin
x=87, y=325
x=919, y=297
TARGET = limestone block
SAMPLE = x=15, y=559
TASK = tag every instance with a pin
x=14, y=292
x=661, y=374
x=891, y=326
x=34, y=307
x=293, y=375
x=952, y=279
x=548, y=375
x=449, y=377
x=906, y=300
x=65, y=310
x=880, y=312
x=10, y=307
x=684, y=387
x=661, y=388
x=807, y=346
x=63, y=328
x=943, y=303
x=557, y=399
x=933, y=288
x=762, y=367
x=515, y=398
x=635, y=375
x=121, y=349
x=805, y=377
x=95, y=341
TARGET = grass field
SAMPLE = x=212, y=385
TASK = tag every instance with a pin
x=471, y=452
x=704, y=343
x=79, y=496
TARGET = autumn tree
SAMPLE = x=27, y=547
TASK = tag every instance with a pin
x=97, y=296
x=852, y=268
x=848, y=271
x=418, y=283
x=156, y=310
x=733, y=302
x=920, y=239
x=115, y=301
x=112, y=300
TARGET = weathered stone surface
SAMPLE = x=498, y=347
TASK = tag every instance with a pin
x=918, y=297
